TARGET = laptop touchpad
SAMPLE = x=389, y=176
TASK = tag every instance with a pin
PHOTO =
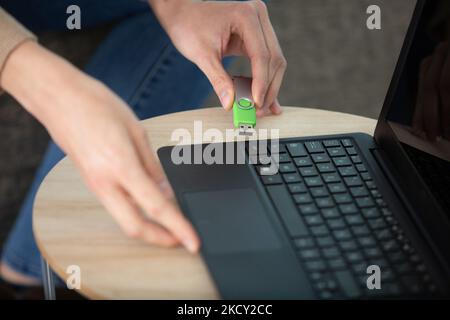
x=231, y=221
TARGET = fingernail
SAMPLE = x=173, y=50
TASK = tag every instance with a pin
x=190, y=245
x=225, y=99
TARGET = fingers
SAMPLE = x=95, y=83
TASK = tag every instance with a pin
x=148, y=159
x=157, y=207
x=262, y=47
x=256, y=48
x=212, y=67
x=278, y=63
x=130, y=220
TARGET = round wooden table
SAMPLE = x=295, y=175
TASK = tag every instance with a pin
x=72, y=228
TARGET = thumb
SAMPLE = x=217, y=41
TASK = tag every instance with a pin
x=220, y=80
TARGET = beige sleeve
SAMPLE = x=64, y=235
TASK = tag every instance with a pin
x=12, y=33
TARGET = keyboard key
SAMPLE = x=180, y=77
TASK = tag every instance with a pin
x=296, y=149
x=315, y=266
x=320, y=231
x=303, y=162
x=319, y=192
x=349, y=245
x=303, y=243
x=267, y=171
x=367, y=241
x=336, y=152
x=331, y=143
x=361, y=168
x=373, y=253
x=302, y=198
x=314, y=182
x=354, y=219
x=314, y=220
x=347, y=171
x=371, y=213
x=308, y=172
x=325, y=202
x=341, y=161
x=325, y=167
x=351, y=151
x=342, y=235
x=353, y=181
x=287, y=168
x=396, y=256
x=375, y=193
x=366, y=176
x=348, y=284
x=341, y=198
x=337, y=188
x=378, y=223
x=330, y=213
x=270, y=180
x=385, y=234
x=282, y=158
x=359, y=192
x=360, y=230
x=325, y=241
x=390, y=245
x=354, y=256
x=347, y=143
x=309, y=254
x=365, y=202
x=337, y=264
x=371, y=185
x=292, y=178
x=277, y=148
x=307, y=209
x=331, y=177
x=314, y=147
x=348, y=208
x=360, y=268
x=331, y=252
x=286, y=209
x=297, y=188
x=336, y=224
x=356, y=159
x=381, y=202
x=320, y=157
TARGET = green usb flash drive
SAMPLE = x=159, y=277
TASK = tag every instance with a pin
x=244, y=111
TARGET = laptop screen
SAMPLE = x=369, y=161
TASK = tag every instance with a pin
x=418, y=110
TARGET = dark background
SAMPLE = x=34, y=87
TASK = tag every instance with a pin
x=335, y=63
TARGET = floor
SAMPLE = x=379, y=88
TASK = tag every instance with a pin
x=335, y=63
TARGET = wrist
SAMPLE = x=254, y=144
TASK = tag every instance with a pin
x=168, y=11
x=35, y=77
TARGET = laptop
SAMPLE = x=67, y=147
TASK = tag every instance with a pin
x=345, y=216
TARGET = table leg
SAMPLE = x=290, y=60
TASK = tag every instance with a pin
x=47, y=279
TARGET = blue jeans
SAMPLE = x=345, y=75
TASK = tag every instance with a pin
x=136, y=60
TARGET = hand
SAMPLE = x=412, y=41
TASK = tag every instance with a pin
x=205, y=32
x=104, y=139
x=432, y=114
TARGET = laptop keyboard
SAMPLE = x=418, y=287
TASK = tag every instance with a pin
x=339, y=223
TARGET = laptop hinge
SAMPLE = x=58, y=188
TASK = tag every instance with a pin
x=393, y=178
